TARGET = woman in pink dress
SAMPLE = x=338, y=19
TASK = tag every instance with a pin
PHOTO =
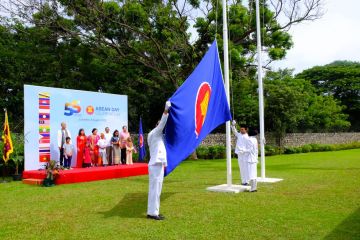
x=94, y=148
x=80, y=144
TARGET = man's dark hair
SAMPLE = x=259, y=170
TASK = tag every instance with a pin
x=253, y=132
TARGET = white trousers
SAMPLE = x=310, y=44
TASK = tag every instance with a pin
x=156, y=177
x=243, y=165
x=252, y=169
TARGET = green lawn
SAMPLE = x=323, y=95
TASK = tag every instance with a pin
x=318, y=199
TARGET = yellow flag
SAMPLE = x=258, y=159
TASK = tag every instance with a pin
x=8, y=146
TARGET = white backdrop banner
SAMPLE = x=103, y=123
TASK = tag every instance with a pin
x=46, y=108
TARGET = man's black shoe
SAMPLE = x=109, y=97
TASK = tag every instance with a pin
x=154, y=217
x=161, y=216
x=244, y=184
x=254, y=191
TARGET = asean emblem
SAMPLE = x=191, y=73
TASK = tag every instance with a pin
x=90, y=110
x=141, y=141
x=201, y=106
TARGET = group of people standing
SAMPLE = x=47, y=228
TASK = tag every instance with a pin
x=247, y=152
x=95, y=150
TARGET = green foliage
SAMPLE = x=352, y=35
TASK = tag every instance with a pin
x=218, y=151
x=16, y=161
x=144, y=50
x=306, y=148
x=292, y=105
x=211, y=152
x=321, y=148
x=202, y=152
x=340, y=79
x=273, y=150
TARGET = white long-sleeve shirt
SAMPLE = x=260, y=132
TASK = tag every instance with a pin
x=241, y=141
x=156, y=143
x=108, y=137
x=102, y=145
x=252, y=150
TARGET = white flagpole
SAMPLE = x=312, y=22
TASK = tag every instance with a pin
x=227, y=90
x=261, y=102
x=228, y=187
x=261, y=91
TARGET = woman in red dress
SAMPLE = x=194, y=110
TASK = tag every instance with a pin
x=94, y=148
x=81, y=144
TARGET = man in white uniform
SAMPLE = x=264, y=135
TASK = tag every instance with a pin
x=156, y=165
x=63, y=133
x=252, y=159
x=241, y=144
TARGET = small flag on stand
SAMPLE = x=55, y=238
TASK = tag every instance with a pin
x=142, y=151
x=8, y=146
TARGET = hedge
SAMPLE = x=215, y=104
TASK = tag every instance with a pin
x=216, y=152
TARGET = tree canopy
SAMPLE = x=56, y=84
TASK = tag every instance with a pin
x=340, y=79
x=146, y=49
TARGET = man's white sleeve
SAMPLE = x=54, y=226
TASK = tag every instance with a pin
x=162, y=124
x=233, y=128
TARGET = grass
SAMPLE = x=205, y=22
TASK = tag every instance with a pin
x=318, y=199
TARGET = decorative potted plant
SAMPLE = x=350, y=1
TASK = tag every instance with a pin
x=17, y=156
x=18, y=161
x=51, y=173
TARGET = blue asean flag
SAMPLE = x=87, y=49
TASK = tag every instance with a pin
x=142, y=151
x=197, y=108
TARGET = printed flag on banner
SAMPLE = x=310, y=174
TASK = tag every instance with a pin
x=197, y=108
x=44, y=126
x=142, y=151
x=8, y=146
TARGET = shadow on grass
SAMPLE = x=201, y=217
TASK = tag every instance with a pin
x=348, y=229
x=133, y=205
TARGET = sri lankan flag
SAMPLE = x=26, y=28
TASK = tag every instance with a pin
x=8, y=146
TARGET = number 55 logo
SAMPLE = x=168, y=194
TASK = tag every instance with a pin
x=72, y=107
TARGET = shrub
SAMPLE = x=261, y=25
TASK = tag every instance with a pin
x=273, y=150
x=220, y=151
x=202, y=152
x=290, y=150
x=306, y=148
x=269, y=150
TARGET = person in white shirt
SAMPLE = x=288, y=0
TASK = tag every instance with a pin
x=63, y=133
x=108, y=137
x=102, y=143
x=158, y=160
x=241, y=142
x=252, y=159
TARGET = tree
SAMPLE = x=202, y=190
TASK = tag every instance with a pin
x=276, y=42
x=292, y=105
x=340, y=79
x=139, y=48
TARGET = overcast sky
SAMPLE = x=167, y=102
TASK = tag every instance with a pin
x=336, y=36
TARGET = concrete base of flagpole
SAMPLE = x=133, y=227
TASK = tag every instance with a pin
x=228, y=189
x=268, y=180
